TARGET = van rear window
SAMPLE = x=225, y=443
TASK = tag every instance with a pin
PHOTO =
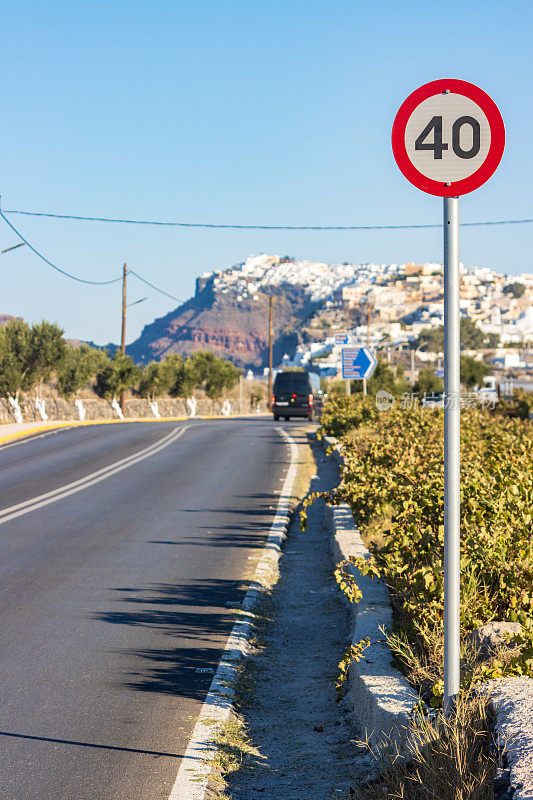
x=291, y=382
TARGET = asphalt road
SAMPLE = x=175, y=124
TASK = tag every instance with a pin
x=115, y=591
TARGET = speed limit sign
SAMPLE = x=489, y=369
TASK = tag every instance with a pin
x=448, y=137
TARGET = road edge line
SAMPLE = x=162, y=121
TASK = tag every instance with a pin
x=193, y=774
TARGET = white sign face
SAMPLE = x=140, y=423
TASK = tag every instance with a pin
x=447, y=137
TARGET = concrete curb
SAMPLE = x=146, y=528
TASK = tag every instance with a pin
x=382, y=698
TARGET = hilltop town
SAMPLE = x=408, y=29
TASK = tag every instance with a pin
x=378, y=302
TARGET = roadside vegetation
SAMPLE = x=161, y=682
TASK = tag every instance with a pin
x=451, y=758
x=472, y=337
x=31, y=355
x=393, y=480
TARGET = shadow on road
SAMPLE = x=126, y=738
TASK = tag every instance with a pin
x=192, y=614
x=195, y=616
x=89, y=744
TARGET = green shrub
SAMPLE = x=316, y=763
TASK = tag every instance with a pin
x=396, y=475
x=342, y=413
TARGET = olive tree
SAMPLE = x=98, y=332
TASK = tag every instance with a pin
x=116, y=376
x=14, y=358
x=473, y=371
x=79, y=365
x=182, y=375
x=45, y=352
x=28, y=355
x=156, y=379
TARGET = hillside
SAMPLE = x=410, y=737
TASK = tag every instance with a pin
x=230, y=322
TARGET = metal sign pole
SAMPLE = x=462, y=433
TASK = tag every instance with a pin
x=451, y=452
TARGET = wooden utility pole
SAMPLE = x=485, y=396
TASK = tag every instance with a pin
x=123, y=339
x=270, y=315
x=123, y=336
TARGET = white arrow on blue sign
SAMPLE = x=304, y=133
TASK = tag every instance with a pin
x=357, y=363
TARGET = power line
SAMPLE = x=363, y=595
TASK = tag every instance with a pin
x=24, y=241
x=47, y=261
x=153, y=286
x=54, y=266
x=263, y=227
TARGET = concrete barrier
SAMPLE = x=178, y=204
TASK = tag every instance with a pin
x=382, y=697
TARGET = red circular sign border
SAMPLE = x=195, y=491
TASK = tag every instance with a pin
x=497, y=143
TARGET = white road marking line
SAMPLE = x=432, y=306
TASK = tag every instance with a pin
x=193, y=774
x=42, y=500
x=31, y=437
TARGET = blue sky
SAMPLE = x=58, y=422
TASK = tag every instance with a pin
x=237, y=112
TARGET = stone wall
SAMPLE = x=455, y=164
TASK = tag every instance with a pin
x=60, y=409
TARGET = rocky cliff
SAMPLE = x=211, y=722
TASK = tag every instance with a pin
x=233, y=326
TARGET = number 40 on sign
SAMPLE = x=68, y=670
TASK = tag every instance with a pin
x=448, y=137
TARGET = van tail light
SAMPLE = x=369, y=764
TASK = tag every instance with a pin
x=294, y=396
x=273, y=399
x=310, y=399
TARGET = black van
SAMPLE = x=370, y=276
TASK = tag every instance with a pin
x=296, y=394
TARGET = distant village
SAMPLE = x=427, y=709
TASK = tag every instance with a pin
x=397, y=302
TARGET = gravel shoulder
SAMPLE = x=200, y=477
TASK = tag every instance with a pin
x=302, y=738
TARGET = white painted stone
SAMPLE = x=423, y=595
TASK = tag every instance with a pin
x=80, y=408
x=15, y=407
x=115, y=405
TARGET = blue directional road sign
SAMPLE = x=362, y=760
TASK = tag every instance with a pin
x=342, y=338
x=357, y=363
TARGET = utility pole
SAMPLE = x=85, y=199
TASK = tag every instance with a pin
x=123, y=336
x=270, y=315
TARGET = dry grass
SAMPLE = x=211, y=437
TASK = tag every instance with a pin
x=376, y=532
x=233, y=747
x=421, y=660
x=451, y=758
x=234, y=751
